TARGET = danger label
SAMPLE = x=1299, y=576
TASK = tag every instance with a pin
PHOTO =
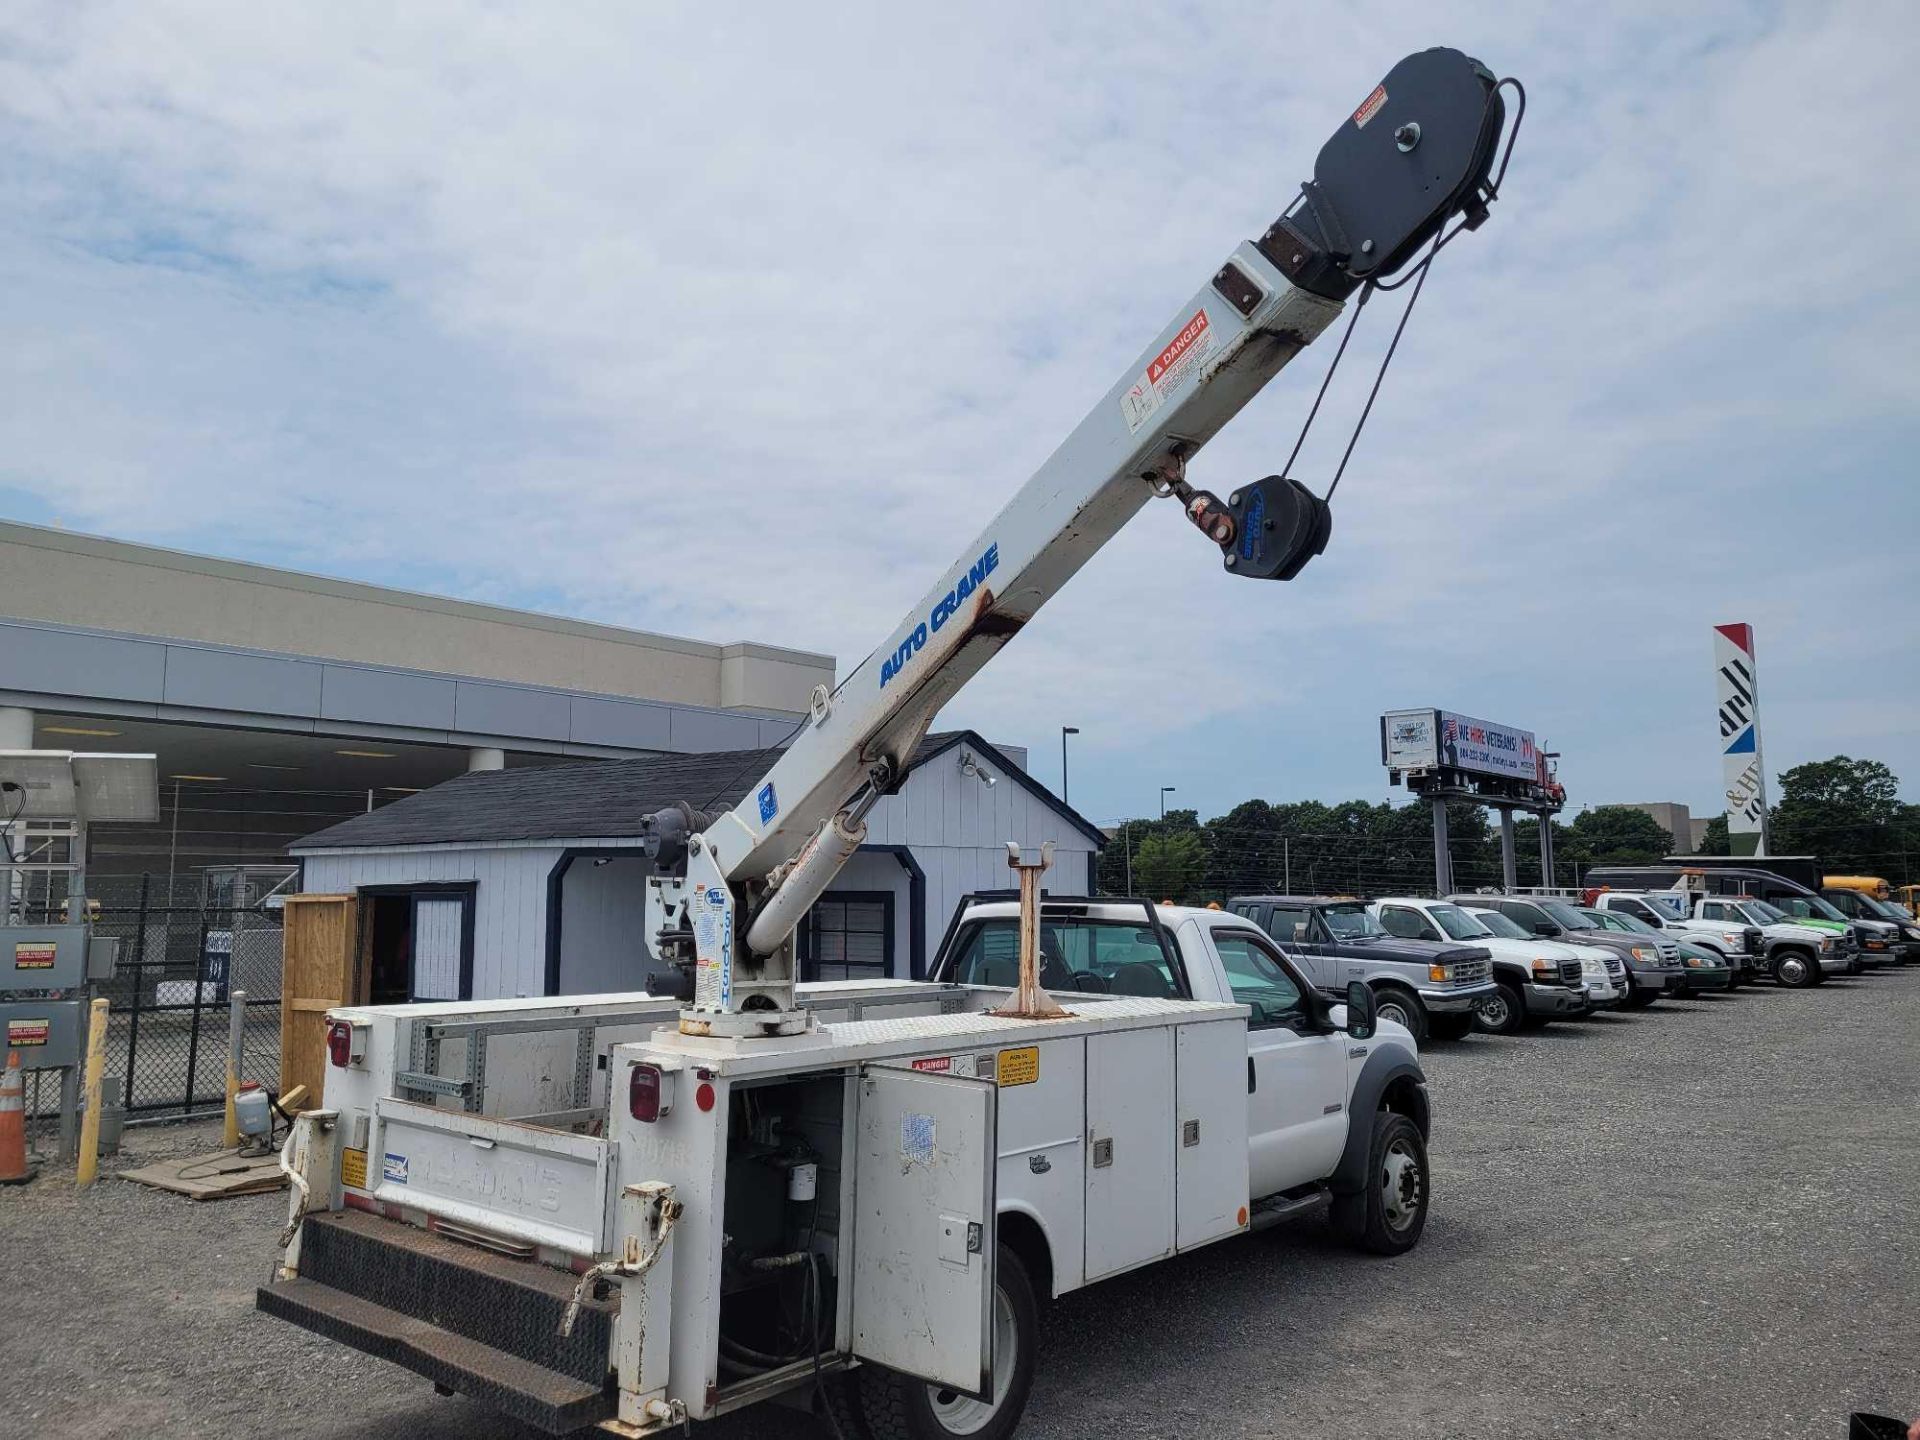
x=1168, y=370
x=34, y=954
x=25, y=1031
x=1370, y=107
x=939, y=1064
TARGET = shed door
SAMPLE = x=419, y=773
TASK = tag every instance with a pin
x=320, y=968
x=924, y=1226
x=439, y=941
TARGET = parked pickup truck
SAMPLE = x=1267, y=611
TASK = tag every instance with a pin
x=1537, y=980
x=1430, y=988
x=1653, y=965
x=570, y=1210
x=1789, y=955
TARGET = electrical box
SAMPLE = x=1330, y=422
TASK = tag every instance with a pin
x=42, y=957
x=45, y=1034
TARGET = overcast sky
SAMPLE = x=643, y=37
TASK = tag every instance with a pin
x=738, y=322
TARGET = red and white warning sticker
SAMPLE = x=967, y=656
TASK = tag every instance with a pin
x=28, y=1031
x=1370, y=107
x=1168, y=370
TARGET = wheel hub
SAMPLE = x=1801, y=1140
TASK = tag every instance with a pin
x=959, y=1414
x=1401, y=1185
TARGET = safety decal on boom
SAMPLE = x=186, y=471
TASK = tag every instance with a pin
x=1168, y=370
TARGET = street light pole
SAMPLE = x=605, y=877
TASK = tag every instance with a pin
x=1065, y=730
x=1165, y=790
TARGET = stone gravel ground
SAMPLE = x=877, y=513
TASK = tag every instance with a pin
x=1701, y=1220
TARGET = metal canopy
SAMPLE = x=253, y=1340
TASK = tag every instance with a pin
x=62, y=785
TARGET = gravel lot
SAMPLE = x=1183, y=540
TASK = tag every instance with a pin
x=1702, y=1219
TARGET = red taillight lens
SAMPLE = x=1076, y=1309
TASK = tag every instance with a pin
x=340, y=1043
x=646, y=1093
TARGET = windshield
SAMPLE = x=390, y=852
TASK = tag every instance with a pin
x=1499, y=925
x=1566, y=916
x=1351, y=922
x=1623, y=920
x=1457, y=924
x=1887, y=910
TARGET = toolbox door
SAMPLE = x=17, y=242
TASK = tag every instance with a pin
x=923, y=1232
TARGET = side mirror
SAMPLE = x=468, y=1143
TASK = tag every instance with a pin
x=1361, y=1020
x=1546, y=929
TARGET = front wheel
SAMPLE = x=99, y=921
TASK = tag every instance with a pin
x=899, y=1407
x=1450, y=1027
x=1401, y=1008
x=1796, y=970
x=1504, y=1011
x=1639, y=996
x=1390, y=1211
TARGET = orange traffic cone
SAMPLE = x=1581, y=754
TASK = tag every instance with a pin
x=14, y=1169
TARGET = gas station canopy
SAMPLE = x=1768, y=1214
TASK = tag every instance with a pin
x=62, y=785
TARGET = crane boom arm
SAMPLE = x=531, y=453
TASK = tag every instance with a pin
x=1417, y=153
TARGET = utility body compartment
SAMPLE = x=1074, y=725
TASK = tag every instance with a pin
x=833, y=1197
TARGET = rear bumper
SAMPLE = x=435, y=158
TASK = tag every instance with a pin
x=479, y=1323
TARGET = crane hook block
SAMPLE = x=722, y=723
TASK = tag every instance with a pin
x=1279, y=525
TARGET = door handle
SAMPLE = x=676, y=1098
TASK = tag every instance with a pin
x=1253, y=1080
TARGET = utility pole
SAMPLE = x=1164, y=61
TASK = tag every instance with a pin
x=1286, y=863
x=1065, y=730
x=1165, y=790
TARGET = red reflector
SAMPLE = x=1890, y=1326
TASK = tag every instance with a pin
x=643, y=1093
x=703, y=1097
x=340, y=1043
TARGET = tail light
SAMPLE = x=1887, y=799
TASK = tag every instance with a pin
x=649, y=1093
x=346, y=1043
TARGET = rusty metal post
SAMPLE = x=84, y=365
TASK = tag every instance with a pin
x=1029, y=1001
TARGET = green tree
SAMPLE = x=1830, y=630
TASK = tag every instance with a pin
x=1620, y=835
x=1844, y=810
x=1170, y=865
x=1713, y=841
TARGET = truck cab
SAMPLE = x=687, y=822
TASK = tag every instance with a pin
x=1879, y=926
x=1431, y=987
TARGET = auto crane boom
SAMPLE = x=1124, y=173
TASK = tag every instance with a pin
x=731, y=888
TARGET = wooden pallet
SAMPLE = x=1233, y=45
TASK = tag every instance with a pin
x=216, y=1176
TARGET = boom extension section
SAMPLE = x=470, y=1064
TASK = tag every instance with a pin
x=731, y=888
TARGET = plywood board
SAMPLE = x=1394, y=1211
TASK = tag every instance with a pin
x=323, y=966
x=218, y=1176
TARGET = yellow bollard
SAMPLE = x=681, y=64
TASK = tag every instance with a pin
x=90, y=1125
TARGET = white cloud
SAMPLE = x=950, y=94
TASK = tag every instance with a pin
x=743, y=325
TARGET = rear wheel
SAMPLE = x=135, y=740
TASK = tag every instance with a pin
x=1403, y=1008
x=1504, y=1011
x=899, y=1407
x=1389, y=1213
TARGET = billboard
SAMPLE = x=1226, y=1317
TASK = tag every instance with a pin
x=1432, y=739
x=1739, y=712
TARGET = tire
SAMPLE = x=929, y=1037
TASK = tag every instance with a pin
x=837, y=1406
x=1450, y=1027
x=1403, y=1008
x=1638, y=996
x=899, y=1407
x=1390, y=1212
x=1796, y=969
x=1503, y=1012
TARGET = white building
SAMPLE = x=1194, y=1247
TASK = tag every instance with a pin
x=529, y=882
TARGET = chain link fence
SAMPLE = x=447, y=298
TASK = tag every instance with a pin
x=186, y=947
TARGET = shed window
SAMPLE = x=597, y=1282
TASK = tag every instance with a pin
x=849, y=937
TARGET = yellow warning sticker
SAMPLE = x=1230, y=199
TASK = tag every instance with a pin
x=1018, y=1067
x=353, y=1169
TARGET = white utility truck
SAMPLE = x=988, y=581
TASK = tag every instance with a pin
x=641, y=1210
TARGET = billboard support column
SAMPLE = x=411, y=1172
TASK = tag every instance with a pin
x=1509, y=871
x=1546, y=851
x=1442, y=855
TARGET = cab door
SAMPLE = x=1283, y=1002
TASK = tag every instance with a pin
x=923, y=1231
x=1296, y=1073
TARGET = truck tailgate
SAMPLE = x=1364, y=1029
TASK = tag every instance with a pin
x=548, y=1187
